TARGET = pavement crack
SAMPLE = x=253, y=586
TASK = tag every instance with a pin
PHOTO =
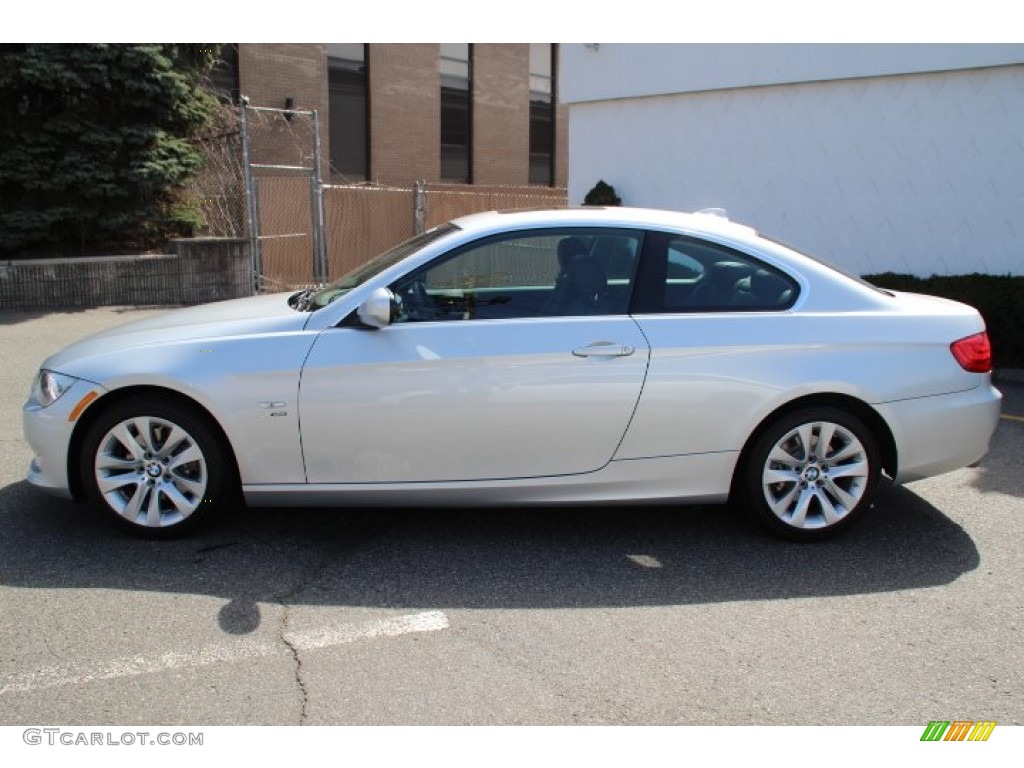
x=293, y=649
x=285, y=635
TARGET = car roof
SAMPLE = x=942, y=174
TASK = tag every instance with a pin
x=710, y=221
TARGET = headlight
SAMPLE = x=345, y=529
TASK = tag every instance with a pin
x=49, y=386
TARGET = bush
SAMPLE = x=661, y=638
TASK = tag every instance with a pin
x=999, y=298
x=602, y=193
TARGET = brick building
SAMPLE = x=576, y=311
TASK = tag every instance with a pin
x=399, y=113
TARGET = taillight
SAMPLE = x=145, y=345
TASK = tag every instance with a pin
x=973, y=353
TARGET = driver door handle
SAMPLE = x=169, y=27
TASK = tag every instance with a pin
x=604, y=349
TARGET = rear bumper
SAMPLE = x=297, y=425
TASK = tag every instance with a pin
x=942, y=433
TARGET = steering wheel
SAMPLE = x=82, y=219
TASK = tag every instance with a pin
x=416, y=303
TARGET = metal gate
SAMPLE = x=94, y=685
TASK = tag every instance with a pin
x=284, y=196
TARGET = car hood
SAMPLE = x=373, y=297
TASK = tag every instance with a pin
x=222, y=319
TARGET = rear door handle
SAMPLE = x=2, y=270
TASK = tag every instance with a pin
x=604, y=349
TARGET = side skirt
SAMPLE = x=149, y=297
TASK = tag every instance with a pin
x=693, y=479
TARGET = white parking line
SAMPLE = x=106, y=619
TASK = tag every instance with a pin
x=77, y=674
x=645, y=561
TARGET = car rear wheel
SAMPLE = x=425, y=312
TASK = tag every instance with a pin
x=812, y=473
x=156, y=466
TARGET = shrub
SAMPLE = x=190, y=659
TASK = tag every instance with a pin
x=602, y=194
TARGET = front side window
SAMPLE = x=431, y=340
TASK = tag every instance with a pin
x=687, y=274
x=542, y=273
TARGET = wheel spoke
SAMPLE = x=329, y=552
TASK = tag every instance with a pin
x=828, y=509
x=174, y=439
x=800, y=511
x=193, y=487
x=826, y=433
x=780, y=456
x=781, y=505
x=108, y=461
x=110, y=483
x=847, y=500
x=185, y=507
x=144, y=429
x=856, y=469
x=131, y=509
x=187, y=456
x=772, y=476
x=128, y=441
x=153, y=509
x=851, y=449
x=806, y=433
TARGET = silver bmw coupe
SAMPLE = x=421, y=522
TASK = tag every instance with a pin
x=583, y=356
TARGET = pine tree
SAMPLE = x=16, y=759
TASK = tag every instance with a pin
x=94, y=144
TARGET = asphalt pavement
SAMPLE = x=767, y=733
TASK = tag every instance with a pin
x=559, y=616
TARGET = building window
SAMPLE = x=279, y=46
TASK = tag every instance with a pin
x=348, y=110
x=542, y=114
x=456, y=116
x=224, y=75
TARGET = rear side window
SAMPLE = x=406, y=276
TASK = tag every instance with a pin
x=686, y=274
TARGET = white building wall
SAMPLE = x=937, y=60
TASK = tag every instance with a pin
x=612, y=71
x=919, y=173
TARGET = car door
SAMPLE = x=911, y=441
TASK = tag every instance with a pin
x=722, y=345
x=511, y=357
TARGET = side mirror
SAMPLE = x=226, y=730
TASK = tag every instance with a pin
x=376, y=311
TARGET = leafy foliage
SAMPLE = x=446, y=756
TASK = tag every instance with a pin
x=999, y=298
x=94, y=144
x=602, y=193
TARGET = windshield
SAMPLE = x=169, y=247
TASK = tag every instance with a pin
x=375, y=266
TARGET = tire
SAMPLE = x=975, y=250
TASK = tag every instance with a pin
x=800, y=492
x=156, y=467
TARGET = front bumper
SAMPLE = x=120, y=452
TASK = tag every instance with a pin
x=48, y=431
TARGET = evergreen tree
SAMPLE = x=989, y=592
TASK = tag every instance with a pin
x=94, y=144
x=602, y=193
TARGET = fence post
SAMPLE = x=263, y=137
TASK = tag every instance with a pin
x=317, y=204
x=419, y=206
x=251, y=210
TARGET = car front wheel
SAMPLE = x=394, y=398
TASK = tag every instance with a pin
x=812, y=473
x=156, y=466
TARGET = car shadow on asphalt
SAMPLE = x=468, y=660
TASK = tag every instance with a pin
x=479, y=558
x=999, y=471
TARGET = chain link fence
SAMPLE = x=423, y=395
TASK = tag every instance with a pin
x=261, y=181
x=282, y=157
x=362, y=221
x=444, y=202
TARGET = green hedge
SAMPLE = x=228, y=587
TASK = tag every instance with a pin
x=999, y=298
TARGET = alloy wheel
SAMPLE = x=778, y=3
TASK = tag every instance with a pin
x=815, y=475
x=151, y=471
